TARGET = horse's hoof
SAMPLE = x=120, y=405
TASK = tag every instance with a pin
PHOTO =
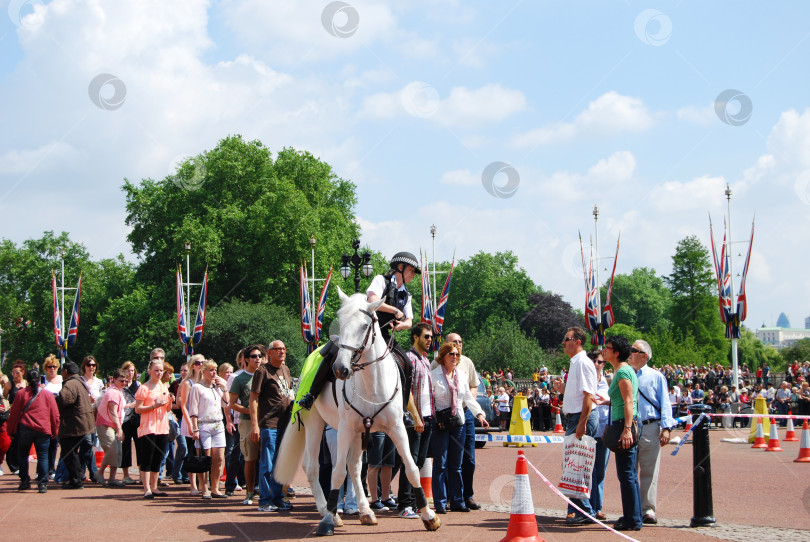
x=432, y=524
x=325, y=529
x=338, y=521
x=368, y=519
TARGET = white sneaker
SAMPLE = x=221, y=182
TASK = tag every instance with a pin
x=408, y=513
x=267, y=508
x=339, y=511
x=352, y=511
x=249, y=499
x=1, y=472
x=238, y=488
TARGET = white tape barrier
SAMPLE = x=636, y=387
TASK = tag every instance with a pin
x=686, y=436
x=557, y=492
x=775, y=416
x=525, y=439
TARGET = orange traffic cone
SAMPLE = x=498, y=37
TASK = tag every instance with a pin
x=759, y=438
x=773, y=440
x=558, y=427
x=790, y=432
x=32, y=455
x=522, y=521
x=804, y=447
x=426, y=478
x=688, y=424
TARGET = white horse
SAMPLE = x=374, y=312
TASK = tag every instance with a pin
x=368, y=391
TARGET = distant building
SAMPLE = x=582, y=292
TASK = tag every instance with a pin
x=780, y=337
x=783, y=321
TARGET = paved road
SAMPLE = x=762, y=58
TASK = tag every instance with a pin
x=757, y=495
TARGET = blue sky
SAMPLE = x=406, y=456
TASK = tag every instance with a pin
x=608, y=103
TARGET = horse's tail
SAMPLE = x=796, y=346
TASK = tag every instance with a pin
x=291, y=451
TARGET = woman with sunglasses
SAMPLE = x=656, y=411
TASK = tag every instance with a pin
x=194, y=366
x=153, y=402
x=52, y=382
x=95, y=387
x=109, y=426
x=451, y=391
x=602, y=453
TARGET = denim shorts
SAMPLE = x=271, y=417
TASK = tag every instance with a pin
x=381, y=450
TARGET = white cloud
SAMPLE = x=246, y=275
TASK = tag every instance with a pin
x=463, y=107
x=460, y=177
x=618, y=167
x=47, y=157
x=567, y=186
x=609, y=114
x=703, y=116
x=698, y=193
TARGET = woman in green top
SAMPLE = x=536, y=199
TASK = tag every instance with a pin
x=623, y=394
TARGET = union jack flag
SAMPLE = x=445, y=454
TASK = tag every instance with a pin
x=438, y=319
x=199, y=323
x=722, y=270
x=73, y=330
x=427, y=296
x=307, y=329
x=742, y=303
x=322, y=308
x=182, y=330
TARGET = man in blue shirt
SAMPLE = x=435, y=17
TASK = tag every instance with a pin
x=655, y=413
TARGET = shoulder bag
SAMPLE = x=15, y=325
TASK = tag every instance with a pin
x=611, y=438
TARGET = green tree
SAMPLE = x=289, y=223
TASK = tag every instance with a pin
x=800, y=350
x=484, y=286
x=640, y=300
x=501, y=343
x=694, y=308
x=249, y=219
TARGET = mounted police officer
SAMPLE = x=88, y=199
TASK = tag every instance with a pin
x=394, y=314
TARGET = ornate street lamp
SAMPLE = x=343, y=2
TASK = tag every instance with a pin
x=356, y=262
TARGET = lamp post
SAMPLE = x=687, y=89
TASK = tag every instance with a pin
x=62, y=253
x=734, y=354
x=312, y=245
x=356, y=262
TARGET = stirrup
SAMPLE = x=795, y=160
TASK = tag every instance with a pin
x=306, y=401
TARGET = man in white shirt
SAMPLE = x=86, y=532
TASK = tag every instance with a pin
x=580, y=416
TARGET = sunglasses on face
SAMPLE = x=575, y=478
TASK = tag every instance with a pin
x=454, y=354
x=198, y=363
x=256, y=356
x=566, y=339
x=91, y=364
x=636, y=351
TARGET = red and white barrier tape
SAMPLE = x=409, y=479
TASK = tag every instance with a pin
x=566, y=499
x=775, y=416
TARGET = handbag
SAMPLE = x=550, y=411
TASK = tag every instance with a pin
x=198, y=463
x=611, y=438
x=446, y=421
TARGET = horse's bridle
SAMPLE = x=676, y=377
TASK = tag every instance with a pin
x=357, y=351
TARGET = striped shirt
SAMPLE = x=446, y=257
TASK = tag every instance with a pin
x=421, y=383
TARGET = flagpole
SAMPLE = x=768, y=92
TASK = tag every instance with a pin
x=596, y=256
x=312, y=310
x=433, y=258
x=187, y=302
x=62, y=315
x=734, y=354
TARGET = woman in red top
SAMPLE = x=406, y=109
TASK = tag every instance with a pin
x=34, y=419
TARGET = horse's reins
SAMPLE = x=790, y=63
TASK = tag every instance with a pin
x=358, y=350
x=368, y=421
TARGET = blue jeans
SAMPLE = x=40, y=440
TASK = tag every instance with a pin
x=628, y=483
x=88, y=456
x=234, y=461
x=42, y=442
x=448, y=449
x=571, y=422
x=180, y=452
x=468, y=460
x=598, y=479
x=347, y=499
x=166, y=453
x=269, y=489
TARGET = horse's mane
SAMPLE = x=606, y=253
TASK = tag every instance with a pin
x=352, y=305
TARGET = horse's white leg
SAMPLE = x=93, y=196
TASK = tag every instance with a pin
x=315, y=426
x=338, y=469
x=400, y=438
x=367, y=516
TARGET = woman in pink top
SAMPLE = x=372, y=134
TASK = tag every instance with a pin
x=153, y=402
x=109, y=417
